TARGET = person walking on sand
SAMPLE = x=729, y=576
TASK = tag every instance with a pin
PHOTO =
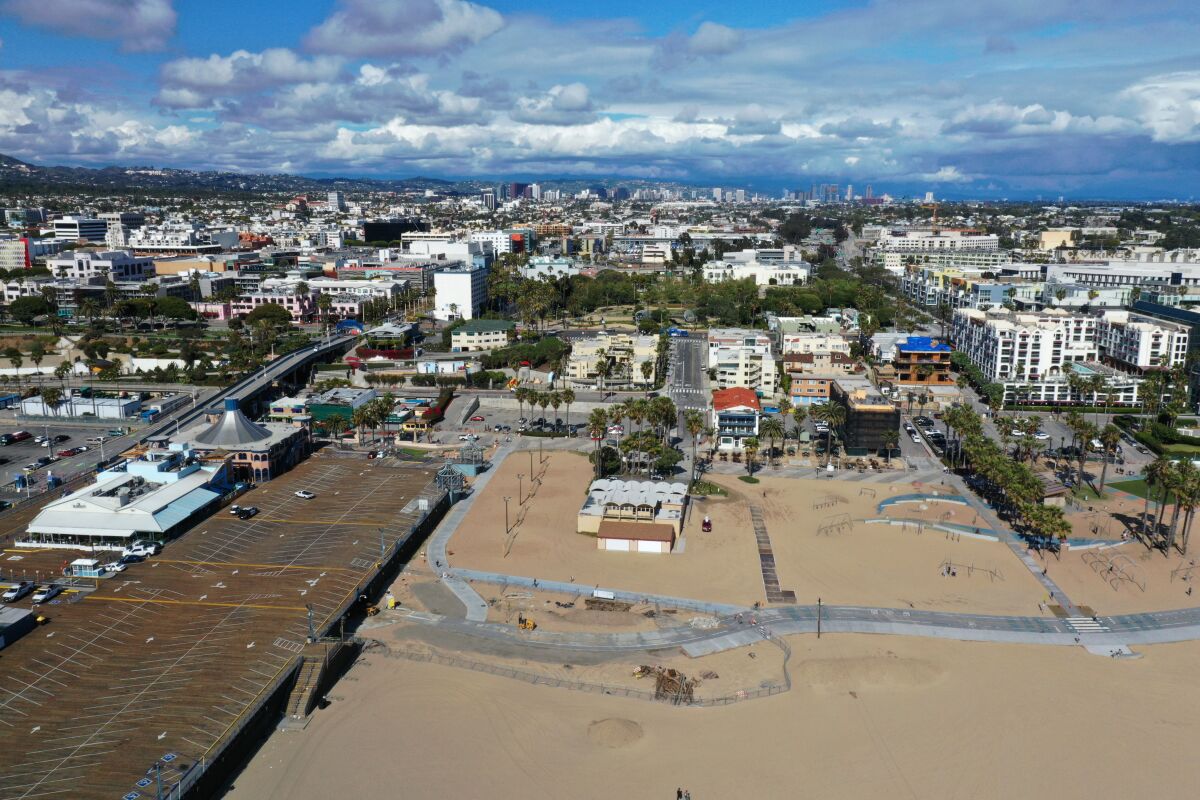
x=678, y=794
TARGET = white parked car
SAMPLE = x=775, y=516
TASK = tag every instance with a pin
x=143, y=549
x=114, y=566
x=1041, y=436
x=916, y=438
x=46, y=593
x=17, y=591
x=305, y=494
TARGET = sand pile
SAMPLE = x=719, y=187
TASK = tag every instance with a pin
x=614, y=732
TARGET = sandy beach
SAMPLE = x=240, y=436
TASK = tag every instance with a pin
x=869, y=717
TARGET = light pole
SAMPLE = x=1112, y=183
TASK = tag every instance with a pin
x=506, y=526
x=520, y=487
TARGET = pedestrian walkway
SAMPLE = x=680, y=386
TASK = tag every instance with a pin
x=766, y=561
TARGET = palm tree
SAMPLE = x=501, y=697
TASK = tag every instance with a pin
x=597, y=426
x=834, y=415
x=771, y=429
x=1110, y=437
x=647, y=372
x=890, y=440
x=1153, y=475
x=1190, y=497
x=750, y=448
x=14, y=357
x=1185, y=478
x=335, y=424
x=52, y=398
x=568, y=397
x=555, y=401
x=360, y=418
x=693, y=422
x=799, y=413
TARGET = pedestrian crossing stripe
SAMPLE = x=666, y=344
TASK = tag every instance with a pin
x=1086, y=625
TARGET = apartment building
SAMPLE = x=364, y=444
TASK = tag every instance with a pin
x=481, y=334
x=810, y=390
x=622, y=355
x=923, y=361
x=735, y=416
x=747, y=367
x=1126, y=273
x=895, y=261
x=14, y=254
x=1008, y=347
x=944, y=240
x=302, y=307
x=796, y=343
x=870, y=416
x=724, y=338
x=1135, y=343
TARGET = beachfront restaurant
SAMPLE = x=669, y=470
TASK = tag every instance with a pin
x=154, y=498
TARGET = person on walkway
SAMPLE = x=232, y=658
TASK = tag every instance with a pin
x=679, y=794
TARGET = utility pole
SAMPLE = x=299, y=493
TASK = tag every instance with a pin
x=520, y=487
x=818, y=618
x=506, y=525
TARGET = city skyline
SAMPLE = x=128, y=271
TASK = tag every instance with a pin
x=1023, y=100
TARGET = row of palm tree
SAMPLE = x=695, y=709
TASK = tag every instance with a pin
x=659, y=415
x=369, y=416
x=1008, y=483
x=554, y=399
x=1176, y=483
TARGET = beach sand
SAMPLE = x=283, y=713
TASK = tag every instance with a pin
x=869, y=717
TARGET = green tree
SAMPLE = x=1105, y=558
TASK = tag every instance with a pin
x=693, y=423
x=771, y=429
x=26, y=309
x=750, y=448
x=271, y=313
x=37, y=353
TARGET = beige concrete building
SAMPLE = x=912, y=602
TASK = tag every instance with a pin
x=623, y=353
x=633, y=516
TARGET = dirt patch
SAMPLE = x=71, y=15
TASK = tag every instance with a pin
x=614, y=732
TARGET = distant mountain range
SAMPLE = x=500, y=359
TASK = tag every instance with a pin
x=19, y=176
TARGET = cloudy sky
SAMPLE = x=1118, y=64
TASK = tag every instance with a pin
x=974, y=98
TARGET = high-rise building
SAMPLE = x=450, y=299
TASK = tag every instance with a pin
x=739, y=195
x=14, y=254
x=516, y=190
x=336, y=201
x=870, y=195
x=717, y=194
x=535, y=191
x=849, y=192
x=488, y=196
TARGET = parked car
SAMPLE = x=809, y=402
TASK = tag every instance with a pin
x=924, y=422
x=131, y=558
x=477, y=418
x=304, y=494
x=17, y=591
x=62, y=437
x=1041, y=436
x=143, y=548
x=916, y=439
x=247, y=512
x=46, y=593
x=234, y=509
x=114, y=566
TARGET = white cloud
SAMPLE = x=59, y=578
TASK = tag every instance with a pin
x=403, y=27
x=140, y=25
x=947, y=175
x=1169, y=106
x=711, y=40
x=188, y=80
x=564, y=104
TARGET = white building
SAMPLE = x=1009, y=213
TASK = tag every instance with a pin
x=623, y=355
x=917, y=241
x=724, y=338
x=460, y=293
x=767, y=266
x=74, y=228
x=115, y=265
x=1031, y=347
x=1126, y=273
x=747, y=367
x=791, y=343
x=1135, y=343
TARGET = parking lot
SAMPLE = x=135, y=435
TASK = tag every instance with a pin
x=18, y=455
x=165, y=658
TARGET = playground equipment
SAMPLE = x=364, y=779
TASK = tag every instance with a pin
x=866, y=491
x=525, y=623
x=1115, y=569
x=827, y=501
x=835, y=523
x=1184, y=572
x=952, y=569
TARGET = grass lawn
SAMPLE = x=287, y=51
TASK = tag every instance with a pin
x=1137, y=488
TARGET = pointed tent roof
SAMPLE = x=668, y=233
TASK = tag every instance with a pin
x=232, y=429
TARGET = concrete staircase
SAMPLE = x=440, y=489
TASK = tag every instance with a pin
x=766, y=561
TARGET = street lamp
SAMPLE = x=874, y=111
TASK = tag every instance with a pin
x=506, y=526
x=520, y=487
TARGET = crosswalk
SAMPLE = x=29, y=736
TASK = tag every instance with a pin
x=1086, y=625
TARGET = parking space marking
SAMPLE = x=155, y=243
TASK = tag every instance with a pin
x=205, y=604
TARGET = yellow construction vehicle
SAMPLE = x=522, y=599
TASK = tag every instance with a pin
x=525, y=623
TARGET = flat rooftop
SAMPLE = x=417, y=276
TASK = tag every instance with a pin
x=167, y=657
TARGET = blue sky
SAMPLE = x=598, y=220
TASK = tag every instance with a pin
x=984, y=99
